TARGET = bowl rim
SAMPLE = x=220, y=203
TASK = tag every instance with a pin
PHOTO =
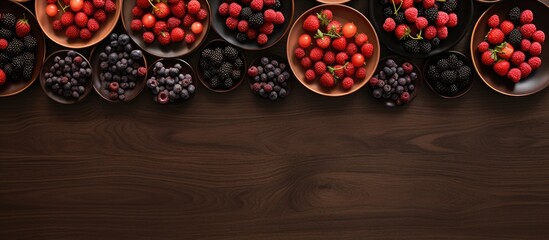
x=50, y=93
x=270, y=55
x=473, y=51
x=333, y=2
x=376, y=56
x=95, y=76
x=91, y=42
x=39, y=61
x=176, y=59
x=160, y=55
x=199, y=70
x=429, y=62
x=258, y=48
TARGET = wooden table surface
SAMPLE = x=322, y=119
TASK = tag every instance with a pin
x=233, y=166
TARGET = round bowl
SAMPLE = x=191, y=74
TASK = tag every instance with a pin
x=343, y=14
x=170, y=62
x=434, y=59
x=488, y=1
x=257, y=62
x=539, y=79
x=98, y=84
x=12, y=88
x=465, y=14
x=218, y=22
x=172, y=50
x=46, y=66
x=220, y=43
x=399, y=60
x=59, y=36
x=333, y=1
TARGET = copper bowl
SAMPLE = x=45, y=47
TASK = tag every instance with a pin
x=169, y=51
x=47, y=64
x=170, y=62
x=218, y=22
x=59, y=36
x=539, y=79
x=433, y=60
x=343, y=14
x=212, y=45
x=98, y=85
x=333, y=1
x=257, y=62
x=417, y=83
x=11, y=88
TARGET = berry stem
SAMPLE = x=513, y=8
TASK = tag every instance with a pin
x=418, y=36
x=395, y=8
x=61, y=6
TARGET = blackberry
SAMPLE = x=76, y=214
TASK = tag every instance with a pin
x=15, y=47
x=18, y=62
x=228, y=83
x=256, y=20
x=206, y=53
x=448, y=76
x=449, y=6
x=399, y=18
x=8, y=69
x=443, y=64
x=420, y=11
x=4, y=58
x=216, y=57
x=435, y=42
x=277, y=5
x=514, y=14
x=453, y=61
x=246, y=13
x=225, y=70
x=412, y=46
x=514, y=38
x=440, y=87
x=27, y=71
x=431, y=14
x=236, y=74
x=388, y=12
x=230, y=53
x=6, y=34
x=425, y=46
x=453, y=90
x=29, y=58
x=238, y=63
x=204, y=64
x=8, y=20
x=207, y=75
x=29, y=42
x=214, y=83
x=463, y=83
x=432, y=73
x=464, y=73
x=241, y=37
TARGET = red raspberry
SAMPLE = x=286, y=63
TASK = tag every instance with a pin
x=329, y=57
x=493, y=21
x=341, y=58
x=360, y=73
x=143, y=4
x=316, y=54
x=411, y=14
x=269, y=15
x=430, y=32
x=235, y=9
x=88, y=8
x=85, y=34
x=349, y=70
x=223, y=9
x=142, y=71
x=193, y=7
x=93, y=25
x=487, y=59
x=518, y=57
x=269, y=3
x=57, y=25
x=177, y=34
x=267, y=28
x=502, y=67
x=279, y=18
x=190, y=38
x=389, y=25
x=178, y=10
x=2, y=77
x=99, y=3
x=339, y=71
x=100, y=15
x=528, y=30
x=351, y=49
x=160, y=27
x=405, y=97
x=534, y=62
x=483, y=47
x=72, y=32
x=320, y=68
x=262, y=39
x=299, y=53
x=67, y=18
x=164, y=38
x=442, y=19
x=538, y=36
x=525, y=70
x=495, y=36
x=514, y=75
x=202, y=14
x=347, y=83
x=452, y=20
x=442, y=32
x=231, y=23
x=367, y=50
x=81, y=19
x=421, y=23
x=188, y=20
x=361, y=39
x=3, y=44
x=137, y=12
x=506, y=27
x=525, y=45
x=148, y=37
x=110, y=6
x=243, y=26
x=402, y=31
x=257, y=5
x=306, y=62
x=407, y=4
x=535, y=49
x=114, y=86
x=407, y=67
x=526, y=16
x=428, y=4
x=373, y=81
x=310, y=75
x=173, y=22
x=251, y=34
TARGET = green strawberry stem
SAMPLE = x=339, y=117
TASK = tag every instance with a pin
x=320, y=34
x=418, y=36
x=395, y=8
x=332, y=70
x=322, y=17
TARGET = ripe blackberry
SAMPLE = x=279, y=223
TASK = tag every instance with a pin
x=453, y=90
x=453, y=61
x=214, y=82
x=514, y=14
x=440, y=87
x=256, y=20
x=241, y=37
x=435, y=42
x=420, y=11
x=431, y=14
x=6, y=34
x=15, y=47
x=216, y=57
x=388, y=12
x=432, y=73
x=277, y=5
x=8, y=20
x=238, y=63
x=425, y=46
x=399, y=18
x=225, y=70
x=230, y=53
x=18, y=62
x=464, y=73
x=27, y=71
x=514, y=38
x=4, y=58
x=448, y=76
x=412, y=46
x=443, y=64
x=236, y=74
x=449, y=6
x=8, y=69
x=204, y=64
x=246, y=13
x=228, y=83
x=207, y=74
x=29, y=42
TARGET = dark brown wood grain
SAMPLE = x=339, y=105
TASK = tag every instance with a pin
x=233, y=166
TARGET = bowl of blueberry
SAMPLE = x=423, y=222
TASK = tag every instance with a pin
x=221, y=66
x=449, y=74
x=396, y=81
x=121, y=69
x=269, y=77
x=171, y=80
x=66, y=77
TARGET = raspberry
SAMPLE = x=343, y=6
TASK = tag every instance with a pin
x=347, y=83
x=93, y=25
x=310, y=75
x=525, y=70
x=316, y=54
x=483, y=47
x=320, y=68
x=349, y=70
x=525, y=45
x=57, y=25
x=535, y=49
x=3, y=44
x=341, y=58
x=137, y=12
x=178, y=10
x=202, y=14
x=269, y=3
x=421, y=23
x=329, y=58
x=279, y=18
x=487, y=59
x=534, y=62
x=452, y=20
x=257, y=5
x=2, y=77
x=67, y=19
x=442, y=19
x=81, y=19
x=234, y=9
x=243, y=26
x=148, y=37
x=190, y=38
x=495, y=36
x=223, y=9
x=526, y=16
x=360, y=73
x=100, y=16
x=306, y=62
x=188, y=20
x=193, y=7
x=367, y=50
x=85, y=34
x=110, y=6
x=538, y=36
x=411, y=15
x=361, y=39
x=299, y=53
x=232, y=23
x=72, y=32
x=506, y=27
x=407, y=4
x=351, y=49
x=442, y=32
x=88, y=8
x=528, y=30
x=267, y=28
x=430, y=32
x=389, y=25
x=251, y=33
x=514, y=75
x=177, y=34
x=262, y=39
x=402, y=31
x=493, y=21
x=407, y=67
x=269, y=15
x=173, y=22
x=518, y=57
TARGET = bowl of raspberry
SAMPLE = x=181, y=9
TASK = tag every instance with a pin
x=507, y=47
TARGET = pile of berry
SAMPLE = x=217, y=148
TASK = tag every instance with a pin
x=420, y=24
x=512, y=47
x=338, y=54
x=121, y=67
x=394, y=82
x=449, y=76
x=252, y=19
x=168, y=21
x=169, y=84
x=80, y=18
x=270, y=79
x=17, y=48
x=68, y=76
x=222, y=68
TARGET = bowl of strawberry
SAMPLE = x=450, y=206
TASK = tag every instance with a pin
x=332, y=50
x=421, y=28
x=507, y=47
x=170, y=28
x=77, y=23
x=252, y=24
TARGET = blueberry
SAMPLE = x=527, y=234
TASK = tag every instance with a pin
x=390, y=62
x=178, y=66
x=394, y=96
x=113, y=58
x=260, y=70
x=281, y=78
x=103, y=56
x=387, y=88
x=269, y=67
x=411, y=88
x=124, y=39
x=114, y=44
x=282, y=66
x=137, y=54
x=263, y=77
x=270, y=75
x=277, y=71
x=382, y=75
x=283, y=93
x=400, y=71
x=257, y=79
x=113, y=37
x=377, y=93
x=185, y=94
x=413, y=75
x=388, y=71
x=71, y=54
x=273, y=96
x=128, y=47
x=381, y=84
x=264, y=61
x=399, y=89
x=402, y=81
x=191, y=89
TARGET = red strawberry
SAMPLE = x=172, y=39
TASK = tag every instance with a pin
x=137, y=12
x=527, y=16
x=506, y=27
x=67, y=18
x=223, y=9
x=311, y=23
x=483, y=47
x=517, y=58
x=535, y=49
x=319, y=68
x=341, y=58
x=389, y=25
x=160, y=27
x=190, y=38
x=442, y=19
x=177, y=34
x=411, y=14
x=306, y=62
x=173, y=22
x=488, y=58
x=327, y=80
x=339, y=44
x=327, y=14
x=202, y=14
x=347, y=83
x=361, y=39
x=329, y=57
x=193, y=7
x=323, y=42
x=421, y=23
x=452, y=20
x=430, y=32
x=525, y=70
x=85, y=34
x=101, y=3
x=257, y=5
x=534, y=62
x=316, y=54
x=243, y=26
x=164, y=38
x=93, y=25
x=235, y=9
x=360, y=73
x=538, y=36
x=528, y=30
x=178, y=10
x=310, y=75
x=110, y=6
x=502, y=68
x=100, y=16
x=3, y=44
x=495, y=36
x=269, y=15
x=514, y=75
x=299, y=53
x=267, y=28
x=2, y=77
x=262, y=39
x=334, y=27
x=367, y=50
x=148, y=37
x=505, y=50
x=338, y=71
x=81, y=19
x=72, y=32
x=22, y=27
x=88, y=8
x=351, y=49
x=402, y=31
x=493, y=21
x=525, y=45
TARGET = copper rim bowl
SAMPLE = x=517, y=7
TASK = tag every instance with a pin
x=434, y=59
x=221, y=43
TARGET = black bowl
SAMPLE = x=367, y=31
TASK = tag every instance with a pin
x=433, y=60
x=465, y=14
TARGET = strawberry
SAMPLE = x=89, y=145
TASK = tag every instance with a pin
x=421, y=23
x=329, y=57
x=339, y=43
x=452, y=20
x=389, y=25
x=534, y=62
x=190, y=38
x=164, y=38
x=495, y=36
x=514, y=75
x=349, y=70
x=525, y=45
x=148, y=37
x=483, y=47
x=430, y=32
x=85, y=34
x=177, y=34
x=299, y=53
x=311, y=23
x=327, y=14
x=525, y=70
x=2, y=77
x=323, y=42
x=442, y=19
x=81, y=19
x=411, y=14
x=327, y=80
x=310, y=75
x=538, y=36
x=338, y=71
x=223, y=9
x=316, y=54
x=535, y=49
x=269, y=15
x=348, y=82
x=22, y=27
x=528, y=30
x=178, y=10
x=367, y=50
x=193, y=7
x=243, y=26
x=319, y=68
x=257, y=5
x=361, y=39
x=502, y=67
x=527, y=16
x=93, y=25
x=505, y=50
x=67, y=18
x=334, y=27
x=506, y=27
x=493, y=21
x=3, y=44
x=262, y=39
x=402, y=31
x=160, y=27
x=488, y=58
x=72, y=32
x=306, y=62
x=235, y=9
x=173, y=22
x=351, y=49
x=341, y=58
x=517, y=58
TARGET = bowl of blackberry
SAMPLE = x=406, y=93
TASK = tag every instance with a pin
x=121, y=68
x=252, y=25
x=66, y=77
x=221, y=67
x=419, y=29
x=449, y=74
x=269, y=77
x=22, y=48
x=395, y=82
x=171, y=80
